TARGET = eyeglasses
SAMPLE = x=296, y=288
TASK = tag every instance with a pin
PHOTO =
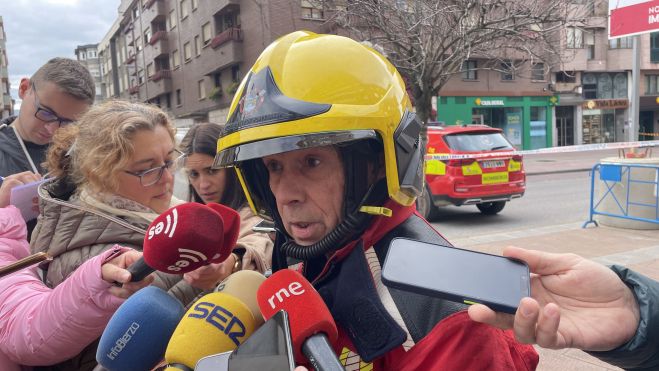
x=150, y=177
x=45, y=114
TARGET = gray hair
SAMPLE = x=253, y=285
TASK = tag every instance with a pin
x=70, y=76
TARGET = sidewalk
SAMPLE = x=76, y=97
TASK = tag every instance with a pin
x=540, y=164
x=636, y=249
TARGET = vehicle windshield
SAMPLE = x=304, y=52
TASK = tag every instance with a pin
x=475, y=142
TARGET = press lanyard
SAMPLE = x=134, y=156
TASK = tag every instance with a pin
x=27, y=155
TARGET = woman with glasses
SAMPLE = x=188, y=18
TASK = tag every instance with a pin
x=253, y=250
x=113, y=175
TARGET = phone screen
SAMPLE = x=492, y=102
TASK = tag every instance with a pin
x=268, y=348
x=456, y=274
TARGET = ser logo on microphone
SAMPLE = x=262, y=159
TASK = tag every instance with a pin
x=222, y=319
x=168, y=228
x=294, y=288
x=185, y=257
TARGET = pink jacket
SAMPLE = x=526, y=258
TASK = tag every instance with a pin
x=43, y=326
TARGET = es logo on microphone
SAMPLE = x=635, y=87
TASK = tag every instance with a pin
x=168, y=228
x=294, y=288
x=222, y=319
x=186, y=256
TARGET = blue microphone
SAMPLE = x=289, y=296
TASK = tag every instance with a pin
x=138, y=332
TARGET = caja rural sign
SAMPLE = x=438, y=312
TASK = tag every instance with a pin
x=632, y=17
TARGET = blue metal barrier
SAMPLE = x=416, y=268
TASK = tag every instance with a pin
x=622, y=174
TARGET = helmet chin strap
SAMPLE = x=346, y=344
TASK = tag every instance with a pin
x=352, y=225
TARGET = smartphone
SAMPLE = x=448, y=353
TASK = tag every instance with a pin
x=264, y=226
x=455, y=274
x=268, y=348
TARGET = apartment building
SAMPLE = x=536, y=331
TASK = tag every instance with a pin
x=88, y=56
x=585, y=100
x=6, y=103
x=188, y=56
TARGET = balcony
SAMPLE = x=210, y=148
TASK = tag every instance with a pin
x=230, y=34
x=134, y=89
x=162, y=74
x=159, y=43
x=225, y=55
x=159, y=83
x=221, y=6
x=130, y=59
x=154, y=10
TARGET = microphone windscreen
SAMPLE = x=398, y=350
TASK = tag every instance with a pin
x=231, y=220
x=243, y=285
x=214, y=324
x=186, y=237
x=136, y=336
x=290, y=291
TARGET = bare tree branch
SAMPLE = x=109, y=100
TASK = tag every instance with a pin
x=428, y=40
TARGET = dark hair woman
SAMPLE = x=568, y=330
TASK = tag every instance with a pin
x=253, y=250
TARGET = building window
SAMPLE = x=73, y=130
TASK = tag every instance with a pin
x=469, y=70
x=172, y=19
x=201, y=89
x=312, y=10
x=138, y=44
x=621, y=43
x=574, y=37
x=235, y=73
x=149, y=70
x=195, y=4
x=140, y=77
x=187, y=51
x=178, y=97
x=206, y=33
x=197, y=45
x=184, y=9
x=651, y=84
x=589, y=83
x=507, y=73
x=538, y=72
x=566, y=77
x=147, y=35
x=175, y=58
x=589, y=41
x=136, y=12
x=654, y=47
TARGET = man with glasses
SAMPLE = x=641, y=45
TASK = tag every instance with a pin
x=54, y=96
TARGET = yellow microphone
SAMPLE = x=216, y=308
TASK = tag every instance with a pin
x=243, y=285
x=214, y=324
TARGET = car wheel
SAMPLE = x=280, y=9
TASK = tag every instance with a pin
x=425, y=206
x=491, y=208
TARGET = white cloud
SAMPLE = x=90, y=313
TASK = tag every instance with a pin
x=38, y=30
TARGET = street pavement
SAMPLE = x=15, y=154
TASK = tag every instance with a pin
x=636, y=249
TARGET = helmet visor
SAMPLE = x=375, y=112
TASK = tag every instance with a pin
x=267, y=147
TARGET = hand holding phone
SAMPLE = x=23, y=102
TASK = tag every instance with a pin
x=456, y=274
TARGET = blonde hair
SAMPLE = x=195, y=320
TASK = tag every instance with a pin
x=99, y=144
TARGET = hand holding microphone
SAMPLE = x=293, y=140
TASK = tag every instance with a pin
x=114, y=271
x=187, y=237
x=312, y=326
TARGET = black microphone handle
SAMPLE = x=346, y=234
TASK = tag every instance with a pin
x=320, y=353
x=139, y=270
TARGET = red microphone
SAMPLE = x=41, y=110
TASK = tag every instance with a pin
x=312, y=326
x=186, y=237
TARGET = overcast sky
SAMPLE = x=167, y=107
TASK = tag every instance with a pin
x=38, y=30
